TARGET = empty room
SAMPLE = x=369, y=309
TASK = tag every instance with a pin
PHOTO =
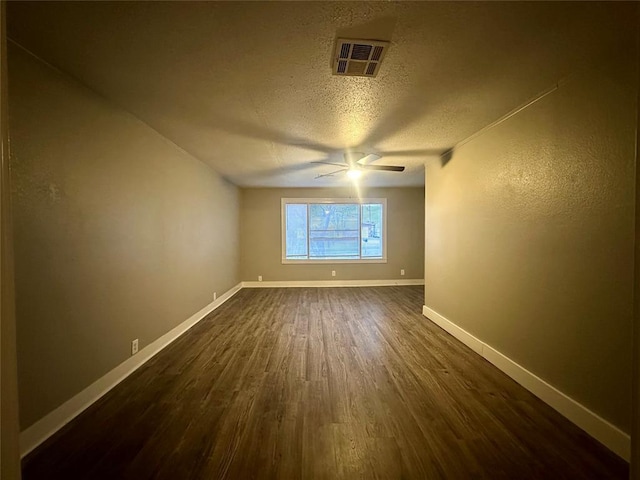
x=319, y=240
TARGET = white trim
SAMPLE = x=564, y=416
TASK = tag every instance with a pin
x=37, y=433
x=606, y=433
x=333, y=260
x=332, y=200
x=333, y=283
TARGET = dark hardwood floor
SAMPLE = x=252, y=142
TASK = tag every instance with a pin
x=313, y=383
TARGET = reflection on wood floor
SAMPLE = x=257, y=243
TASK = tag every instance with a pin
x=320, y=383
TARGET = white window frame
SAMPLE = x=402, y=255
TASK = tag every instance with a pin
x=355, y=201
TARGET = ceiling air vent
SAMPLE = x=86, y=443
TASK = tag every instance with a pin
x=358, y=58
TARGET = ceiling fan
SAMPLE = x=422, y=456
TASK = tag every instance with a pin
x=355, y=163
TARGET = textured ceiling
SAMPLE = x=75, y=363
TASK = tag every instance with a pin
x=248, y=89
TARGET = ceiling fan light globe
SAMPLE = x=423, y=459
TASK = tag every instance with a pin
x=354, y=173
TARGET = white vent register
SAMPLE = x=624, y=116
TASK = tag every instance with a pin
x=358, y=58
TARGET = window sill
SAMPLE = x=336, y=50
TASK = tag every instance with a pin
x=332, y=261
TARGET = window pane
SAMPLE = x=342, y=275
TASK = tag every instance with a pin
x=334, y=230
x=296, y=231
x=372, y=230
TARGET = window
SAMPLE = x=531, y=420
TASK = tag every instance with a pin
x=334, y=229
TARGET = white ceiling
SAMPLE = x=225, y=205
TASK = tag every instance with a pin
x=248, y=89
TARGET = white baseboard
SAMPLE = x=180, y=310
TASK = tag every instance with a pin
x=333, y=283
x=606, y=433
x=37, y=433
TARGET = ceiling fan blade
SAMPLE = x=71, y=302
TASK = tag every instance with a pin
x=372, y=157
x=426, y=152
x=386, y=168
x=323, y=162
x=331, y=173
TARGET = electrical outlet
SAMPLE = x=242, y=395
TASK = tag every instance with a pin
x=134, y=347
x=259, y=278
x=215, y=296
x=402, y=272
x=333, y=273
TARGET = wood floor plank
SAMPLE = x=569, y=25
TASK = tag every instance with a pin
x=309, y=383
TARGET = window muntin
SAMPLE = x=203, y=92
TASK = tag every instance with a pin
x=333, y=230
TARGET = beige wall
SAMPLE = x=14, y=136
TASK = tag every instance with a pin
x=9, y=444
x=530, y=232
x=260, y=237
x=118, y=233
